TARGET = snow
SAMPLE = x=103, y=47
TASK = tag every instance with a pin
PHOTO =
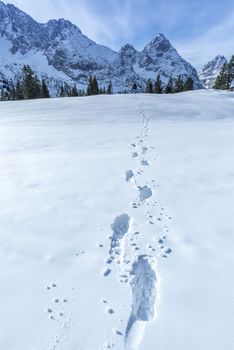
x=85, y=264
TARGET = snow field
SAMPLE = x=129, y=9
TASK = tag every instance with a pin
x=116, y=222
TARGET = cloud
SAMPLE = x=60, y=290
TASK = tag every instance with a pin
x=115, y=23
x=218, y=40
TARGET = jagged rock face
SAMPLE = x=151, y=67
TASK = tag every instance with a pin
x=69, y=55
x=160, y=57
x=211, y=70
x=20, y=29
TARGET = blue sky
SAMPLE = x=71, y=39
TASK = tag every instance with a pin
x=199, y=29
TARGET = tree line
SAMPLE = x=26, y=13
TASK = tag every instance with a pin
x=29, y=86
x=226, y=76
x=174, y=85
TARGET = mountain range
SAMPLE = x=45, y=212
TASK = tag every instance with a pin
x=59, y=52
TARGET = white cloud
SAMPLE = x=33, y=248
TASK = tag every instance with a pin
x=218, y=40
x=117, y=22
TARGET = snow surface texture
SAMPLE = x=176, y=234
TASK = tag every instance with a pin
x=59, y=52
x=85, y=263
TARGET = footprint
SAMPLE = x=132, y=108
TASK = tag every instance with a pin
x=135, y=154
x=110, y=311
x=106, y=272
x=145, y=193
x=144, y=293
x=129, y=175
x=145, y=162
x=119, y=227
x=168, y=251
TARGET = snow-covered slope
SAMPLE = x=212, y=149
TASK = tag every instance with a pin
x=59, y=50
x=211, y=70
x=117, y=240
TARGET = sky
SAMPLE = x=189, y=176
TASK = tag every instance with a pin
x=198, y=29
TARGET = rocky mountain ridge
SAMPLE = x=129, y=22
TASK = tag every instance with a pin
x=211, y=70
x=59, y=52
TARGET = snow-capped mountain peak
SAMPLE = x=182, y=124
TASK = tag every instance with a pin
x=211, y=70
x=59, y=50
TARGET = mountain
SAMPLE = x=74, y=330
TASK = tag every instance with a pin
x=211, y=70
x=59, y=52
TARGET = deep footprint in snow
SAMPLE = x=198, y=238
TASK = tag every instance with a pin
x=119, y=227
x=144, y=293
x=145, y=193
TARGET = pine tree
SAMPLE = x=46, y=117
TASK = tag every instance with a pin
x=61, y=92
x=90, y=86
x=158, y=89
x=67, y=90
x=74, y=92
x=44, y=93
x=179, y=84
x=231, y=70
x=19, y=90
x=223, y=79
x=169, y=87
x=149, y=87
x=30, y=86
x=188, y=85
x=109, y=90
x=95, y=88
x=12, y=93
x=134, y=88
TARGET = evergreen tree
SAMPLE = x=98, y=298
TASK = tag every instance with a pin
x=134, y=88
x=74, y=92
x=12, y=93
x=19, y=90
x=231, y=69
x=89, y=88
x=61, y=92
x=179, y=84
x=67, y=90
x=158, y=89
x=44, y=93
x=223, y=79
x=188, y=85
x=109, y=90
x=149, y=87
x=92, y=88
x=30, y=83
x=169, y=87
x=95, y=88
